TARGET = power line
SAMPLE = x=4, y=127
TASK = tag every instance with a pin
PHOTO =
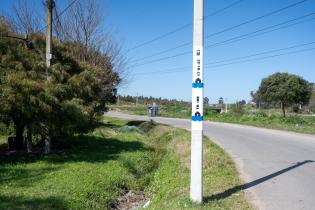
x=164, y=51
x=237, y=38
x=266, y=57
x=261, y=53
x=245, y=61
x=163, y=58
x=257, y=18
x=228, y=29
x=182, y=27
x=245, y=36
x=58, y=24
x=61, y=13
x=242, y=57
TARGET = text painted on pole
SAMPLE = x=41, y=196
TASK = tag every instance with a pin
x=197, y=86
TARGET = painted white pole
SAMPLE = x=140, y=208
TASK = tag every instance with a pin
x=197, y=106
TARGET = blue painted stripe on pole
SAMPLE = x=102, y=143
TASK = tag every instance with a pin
x=197, y=118
x=197, y=85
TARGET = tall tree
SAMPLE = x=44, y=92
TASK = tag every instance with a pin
x=71, y=100
x=286, y=89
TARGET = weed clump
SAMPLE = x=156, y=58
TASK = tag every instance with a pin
x=130, y=129
x=147, y=126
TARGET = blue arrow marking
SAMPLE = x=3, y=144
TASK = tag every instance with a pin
x=197, y=85
x=197, y=118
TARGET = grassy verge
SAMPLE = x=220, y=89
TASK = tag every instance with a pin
x=98, y=167
x=179, y=111
x=170, y=186
x=295, y=123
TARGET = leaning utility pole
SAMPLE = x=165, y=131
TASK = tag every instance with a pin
x=197, y=106
x=49, y=6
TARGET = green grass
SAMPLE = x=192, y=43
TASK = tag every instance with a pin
x=118, y=156
x=266, y=118
x=179, y=111
x=295, y=123
x=170, y=187
x=2, y=139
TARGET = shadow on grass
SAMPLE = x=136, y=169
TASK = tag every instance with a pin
x=31, y=203
x=135, y=123
x=23, y=177
x=107, y=125
x=238, y=188
x=88, y=148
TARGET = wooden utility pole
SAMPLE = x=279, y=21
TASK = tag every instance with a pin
x=197, y=106
x=49, y=7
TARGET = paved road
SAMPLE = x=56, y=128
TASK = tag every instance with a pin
x=278, y=167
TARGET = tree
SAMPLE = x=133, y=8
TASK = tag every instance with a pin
x=221, y=101
x=56, y=106
x=25, y=20
x=286, y=89
x=206, y=100
x=242, y=102
x=256, y=98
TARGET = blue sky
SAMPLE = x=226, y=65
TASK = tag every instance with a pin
x=137, y=21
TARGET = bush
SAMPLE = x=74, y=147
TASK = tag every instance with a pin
x=295, y=120
x=238, y=109
x=128, y=129
x=147, y=126
x=312, y=108
x=296, y=108
x=6, y=130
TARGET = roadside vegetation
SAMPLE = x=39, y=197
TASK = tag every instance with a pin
x=283, y=101
x=97, y=170
x=267, y=119
x=238, y=113
x=47, y=103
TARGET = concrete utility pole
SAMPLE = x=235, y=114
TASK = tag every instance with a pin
x=49, y=6
x=197, y=106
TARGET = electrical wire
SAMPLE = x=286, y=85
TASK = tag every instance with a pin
x=211, y=65
x=261, y=53
x=255, y=19
x=266, y=57
x=225, y=30
x=237, y=38
x=61, y=13
x=256, y=33
x=245, y=36
x=182, y=27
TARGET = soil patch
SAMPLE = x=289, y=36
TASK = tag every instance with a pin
x=131, y=200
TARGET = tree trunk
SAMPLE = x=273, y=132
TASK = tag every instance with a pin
x=47, y=144
x=283, y=109
x=19, y=139
x=29, y=139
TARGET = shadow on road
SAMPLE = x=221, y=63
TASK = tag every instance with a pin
x=238, y=188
